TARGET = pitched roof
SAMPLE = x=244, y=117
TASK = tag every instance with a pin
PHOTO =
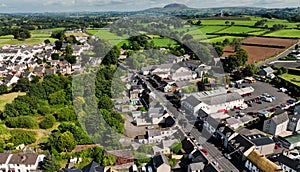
x=93, y=167
x=262, y=162
x=23, y=159
x=124, y=153
x=3, y=157
x=219, y=99
x=268, y=69
x=73, y=169
x=260, y=140
x=294, y=164
x=278, y=119
x=159, y=159
x=240, y=141
x=192, y=100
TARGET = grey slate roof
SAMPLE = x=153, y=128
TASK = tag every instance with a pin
x=93, y=167
x=283, y=117
x=294, y=164
x=192, y=100
x=3, y=158
x=159, y=160
x=260, y=140
x=223, y=98
x=197, y=166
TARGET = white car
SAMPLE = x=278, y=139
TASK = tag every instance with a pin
x=244, y=106
x=283, y=89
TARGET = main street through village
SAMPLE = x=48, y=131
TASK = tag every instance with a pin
x=214, y=155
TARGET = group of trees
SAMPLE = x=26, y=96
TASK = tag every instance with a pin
x=21, y=33
x=235, y=60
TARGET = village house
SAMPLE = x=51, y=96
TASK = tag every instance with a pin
x=161, y=163
x=124, y=156
x=20, y=162
x=258, y=163
x=277, y=124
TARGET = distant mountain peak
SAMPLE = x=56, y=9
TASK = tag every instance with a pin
x=175, y=6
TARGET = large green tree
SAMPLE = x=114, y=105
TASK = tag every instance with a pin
x=50, y=164
x=66, y=142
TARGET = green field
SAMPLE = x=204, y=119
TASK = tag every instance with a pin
x=37, y=36
x=287, y=33
x=8, y=98
x=240, y=29
x=221, y=39
x=295, y=79
x=163, y=42
x=105, y=34
x=222, y=22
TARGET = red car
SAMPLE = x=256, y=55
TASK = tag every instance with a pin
x=204, y=151
x=277, y=146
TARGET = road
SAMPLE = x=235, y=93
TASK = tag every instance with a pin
x=284, y=53
x=213, y=153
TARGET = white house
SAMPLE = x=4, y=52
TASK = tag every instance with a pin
x=276, y=124
x=20, y=162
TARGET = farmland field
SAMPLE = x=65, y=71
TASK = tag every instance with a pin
x=222, y=22
x=270, y=41
x=287, y=33
x=256, y=53
x=240, y=29
x=221, y=39
x=105, y=34
x=37, y=36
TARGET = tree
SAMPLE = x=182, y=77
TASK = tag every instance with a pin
x=23, y=85
x=227, y=22
x=232, y=23
x=21, y=33
x=296, y=47
x=3, y=89
x=57, y=98
x=55, y=56
x=69, y=51
x=250, y=70
x=66, y=142
x=219, y=50
x=58, y=35
x=105, y=103
x=47, y=41
x=48, y=122
x=108, y=160
x=236, y=44
x=66, y=114
x=176, y=147
x=50, y=164
x=112, y=56
x=242, y=57
x=58, y=45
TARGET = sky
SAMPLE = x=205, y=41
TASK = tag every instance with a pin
x=13, y=6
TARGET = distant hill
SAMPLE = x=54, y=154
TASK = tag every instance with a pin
x=175, y=6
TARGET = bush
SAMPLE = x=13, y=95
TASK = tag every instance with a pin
x=22, y=137
x=44, y=110
x=21, y=122
x=48, y=122
x=66, y=114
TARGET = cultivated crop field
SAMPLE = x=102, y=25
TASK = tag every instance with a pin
x=240, y=29
x=270, y=41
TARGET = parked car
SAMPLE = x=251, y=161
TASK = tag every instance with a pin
x=204, y=151
x=277, y=146
x=259, y=102
x=283, y=89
